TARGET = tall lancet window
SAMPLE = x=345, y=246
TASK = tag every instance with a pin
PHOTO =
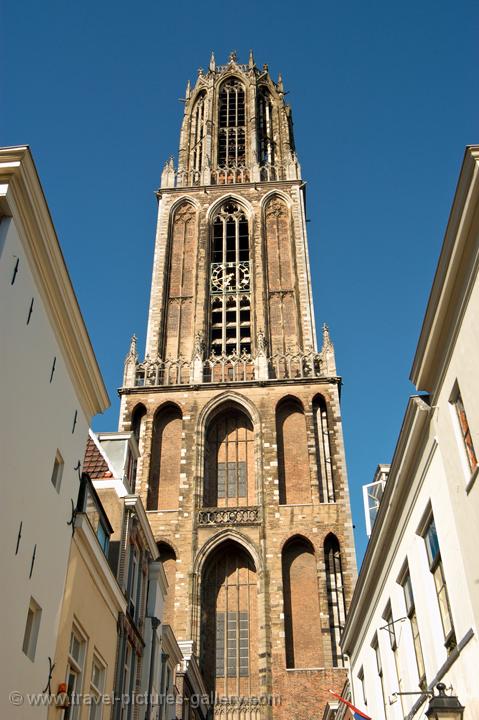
x=335, y=590
x=231, y=125
x=230, y=283
x=197, y=132
x=265, y=128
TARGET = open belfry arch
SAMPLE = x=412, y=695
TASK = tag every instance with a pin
x=237, y=412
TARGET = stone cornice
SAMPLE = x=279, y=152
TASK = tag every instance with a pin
x=453, y=281
x=22, y=198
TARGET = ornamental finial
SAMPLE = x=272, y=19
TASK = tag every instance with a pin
x=251, y=59
x=233, y=56
x=132, y=352
x=212, y=62
x=327, y=343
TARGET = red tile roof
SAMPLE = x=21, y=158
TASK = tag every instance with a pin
x=94, y=463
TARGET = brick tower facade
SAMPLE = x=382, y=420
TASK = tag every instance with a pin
x=237, y=413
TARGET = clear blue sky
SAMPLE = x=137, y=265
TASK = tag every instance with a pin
x=384, y=99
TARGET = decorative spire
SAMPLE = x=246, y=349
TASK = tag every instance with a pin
x=132, y=353
x=188, y=90
x=279, y=84
x=212, y=62
x=251, y=60
x=327, y=343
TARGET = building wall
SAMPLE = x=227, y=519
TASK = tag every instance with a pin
x=38, y=419
x=89, y=607
x=429, y=487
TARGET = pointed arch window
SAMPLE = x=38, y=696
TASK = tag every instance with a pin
x=265, y=128
x=323, y=450
x=229, y=467
x=230, y=285
x=229, y=622
x=231, y=125
x=197, y=132
x=335, y=590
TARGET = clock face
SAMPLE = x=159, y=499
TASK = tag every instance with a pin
x=230, y=277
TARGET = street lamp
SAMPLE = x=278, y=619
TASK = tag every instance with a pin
x=444, y=707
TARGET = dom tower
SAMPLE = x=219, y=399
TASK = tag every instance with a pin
x=237, y=413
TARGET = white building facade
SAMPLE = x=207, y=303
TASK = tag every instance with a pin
x=413, y=621
x=51, y=388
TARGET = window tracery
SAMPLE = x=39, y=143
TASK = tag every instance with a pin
x=197, y=133
x=231, y=125
x=230, y=282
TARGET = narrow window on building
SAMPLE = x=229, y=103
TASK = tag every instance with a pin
x=197, y=132
x=97, y=686
x=128, y=681
x=57, y=471
x=323, y=450
x=436, y=567
x=231, y=125
x=379, y=666
x=390, y=628
x=75, y=667
x=230, y=285
x=32, y=627
x=138, y=418
x=133, y=580
x=464, y=431
x=411, y=613
x=265, y=129
x=363, y=686
x=335, y=591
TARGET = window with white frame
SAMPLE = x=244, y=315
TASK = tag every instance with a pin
x=75, y=668
x=464, y=432
x=32, y=627
x=416, y=638
x=133, y=581
x=128, y=680
x=57, y=471
x=97, y=687
x=436, y=567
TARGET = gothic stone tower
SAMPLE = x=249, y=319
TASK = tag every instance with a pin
x=237, y=413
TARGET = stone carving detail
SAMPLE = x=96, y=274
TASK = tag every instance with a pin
x=261, y=343
x=199, y=346
x=293, y=364
x=229, y=516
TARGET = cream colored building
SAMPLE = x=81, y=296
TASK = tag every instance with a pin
x=51, y=388
x=414, y=616
x=87, y=639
